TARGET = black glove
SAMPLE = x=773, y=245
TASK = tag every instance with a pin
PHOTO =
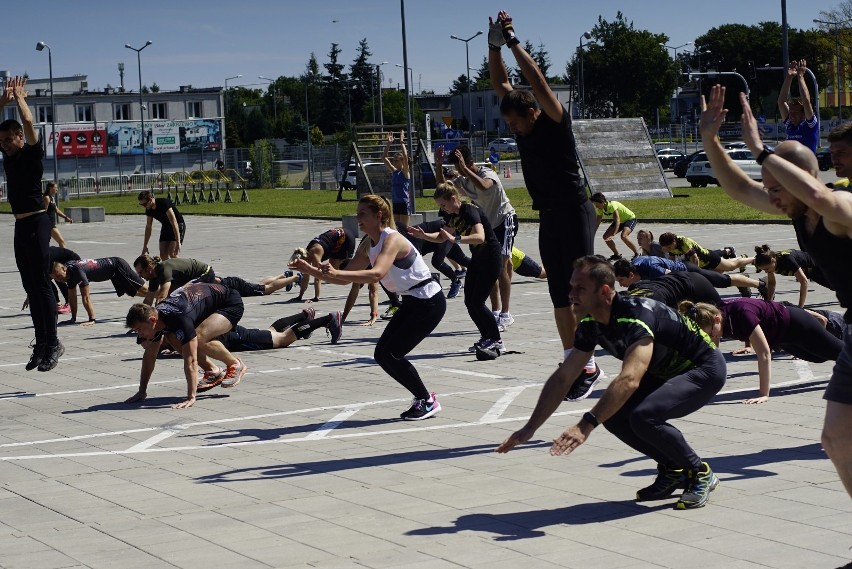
x=509, y=32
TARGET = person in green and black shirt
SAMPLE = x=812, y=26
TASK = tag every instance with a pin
x=671, y=368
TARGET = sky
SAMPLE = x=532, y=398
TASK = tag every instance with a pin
x=203, y=43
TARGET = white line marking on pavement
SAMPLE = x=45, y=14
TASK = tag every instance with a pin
x=79, y=437
x=334, y=422
x=804, y=370
x=502, y=404
x=148, y=443
x=89, y=390
x=98, y=243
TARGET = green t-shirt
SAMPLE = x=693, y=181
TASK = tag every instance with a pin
x=624, y=214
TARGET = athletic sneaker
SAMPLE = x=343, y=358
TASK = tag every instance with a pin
x=309, y=313
x=455, y=287
x=505, y=320
x=698, y=488
x=209, y=380
x=64, y=309
x=729, y=253
x=745, y=292
x=52, y=353
x=36, y=357
x=669, y=481
x=615, y=257
x=476, y=345
x=421, y=409
x=489, y=349
x=288, y=273
x=334, y=327
x=234, y=374
x=390, y=312
x=763, y=290
x=461, y=274
x=584, y=384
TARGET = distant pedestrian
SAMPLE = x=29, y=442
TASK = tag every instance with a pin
x=54, y=213
x=173, y=228
x=400, y=179
x=797, y=113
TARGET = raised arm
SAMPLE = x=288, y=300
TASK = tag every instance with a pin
x=496, y=66
x=784, y=94
x=406, y=169
x=804, y=94
x=548, y=102
x=388, y=164
x=731, y=177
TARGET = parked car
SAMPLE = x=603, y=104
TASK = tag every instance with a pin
x=737, y=144
x=682, y=165
x=700, y=173
x=503, y=145
x=668, y=157
x=824, y=159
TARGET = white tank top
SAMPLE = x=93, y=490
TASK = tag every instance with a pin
x=404, y=274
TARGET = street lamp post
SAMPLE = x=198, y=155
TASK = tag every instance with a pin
x=677, y=93
x=39, y=47
x=839, y=89
x=141, y=104
x=349, y=98
x=469, y=102
x=381, y=111
x=308, y=131
x=274, y=102
x=581, y=80
x=225, y=102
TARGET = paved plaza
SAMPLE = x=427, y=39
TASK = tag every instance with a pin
x=306, y=464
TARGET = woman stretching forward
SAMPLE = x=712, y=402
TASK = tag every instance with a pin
x=399, y=267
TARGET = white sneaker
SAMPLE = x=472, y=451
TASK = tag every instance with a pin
x=505, y=320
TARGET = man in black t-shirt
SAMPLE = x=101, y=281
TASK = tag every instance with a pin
x=173, y=228
x=670, y=368
x=542, y=128
x=672, y=288
x=22, y=163
x=81, y=273
x=192, y=317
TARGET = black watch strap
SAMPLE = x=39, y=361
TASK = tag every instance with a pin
x=762, y=156
x=590, y=419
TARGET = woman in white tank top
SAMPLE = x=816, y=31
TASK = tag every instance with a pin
x=394, y=261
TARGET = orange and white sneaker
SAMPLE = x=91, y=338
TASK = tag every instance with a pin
x=234, y=374
x=209, y=380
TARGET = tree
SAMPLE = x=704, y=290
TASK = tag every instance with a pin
x=395, y=109
x=459, y=86
x=334, y=102
x=362, y=74
x=528, y=47
x=644, y=72
x=482, y=81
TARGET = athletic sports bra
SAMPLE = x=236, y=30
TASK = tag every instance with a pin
x=406, y=275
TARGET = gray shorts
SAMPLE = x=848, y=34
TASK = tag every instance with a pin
x=839, y=387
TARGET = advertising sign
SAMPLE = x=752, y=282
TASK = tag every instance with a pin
x=77, y=140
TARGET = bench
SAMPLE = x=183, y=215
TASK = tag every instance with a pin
x=85, y=214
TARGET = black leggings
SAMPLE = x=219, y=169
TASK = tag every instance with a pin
x=445, y=250
x=485, y=266
x=808, y=340
x=31, y=242
x=718, y=280
x=413, y=321
x=642, y=422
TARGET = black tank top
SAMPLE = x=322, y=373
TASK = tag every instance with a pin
x=830, y=254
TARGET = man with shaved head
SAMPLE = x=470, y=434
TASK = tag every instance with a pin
x=822, y=219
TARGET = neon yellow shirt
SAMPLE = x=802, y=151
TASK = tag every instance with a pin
x=624, y=214
x=517, y=258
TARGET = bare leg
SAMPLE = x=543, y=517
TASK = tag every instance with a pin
x=625, y=237
x=282, y=339
x=836, y=436
x=611, y=244
x=504, y=281
x=57, y=237
x=272, y=284
x=495, y=298
x=213, y=326
x=166, y=249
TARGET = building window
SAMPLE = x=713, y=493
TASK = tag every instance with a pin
x=10, y=113
x=193, y=109
x=121, y=111
x=84, y=113
x=44, y=113
x=158, y=110
x=478, y=102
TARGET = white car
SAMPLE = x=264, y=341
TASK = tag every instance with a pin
x=700, y=173
x=503, y=145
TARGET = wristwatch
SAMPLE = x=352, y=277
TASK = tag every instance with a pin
x=458, y=237
x=762, y=156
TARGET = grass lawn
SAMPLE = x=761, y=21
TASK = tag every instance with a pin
x=687, y=204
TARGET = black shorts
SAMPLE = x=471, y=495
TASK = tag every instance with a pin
x=233, y=308
x=564, y=236
x=631, y=223
x=167, y=234
x=332, y=247
x=245, y=339
x=528, y=268
x=709, y=260
x=839, y=387
x=243, y=287
x=505, y=234
x=401, y=208
x=125, y=280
